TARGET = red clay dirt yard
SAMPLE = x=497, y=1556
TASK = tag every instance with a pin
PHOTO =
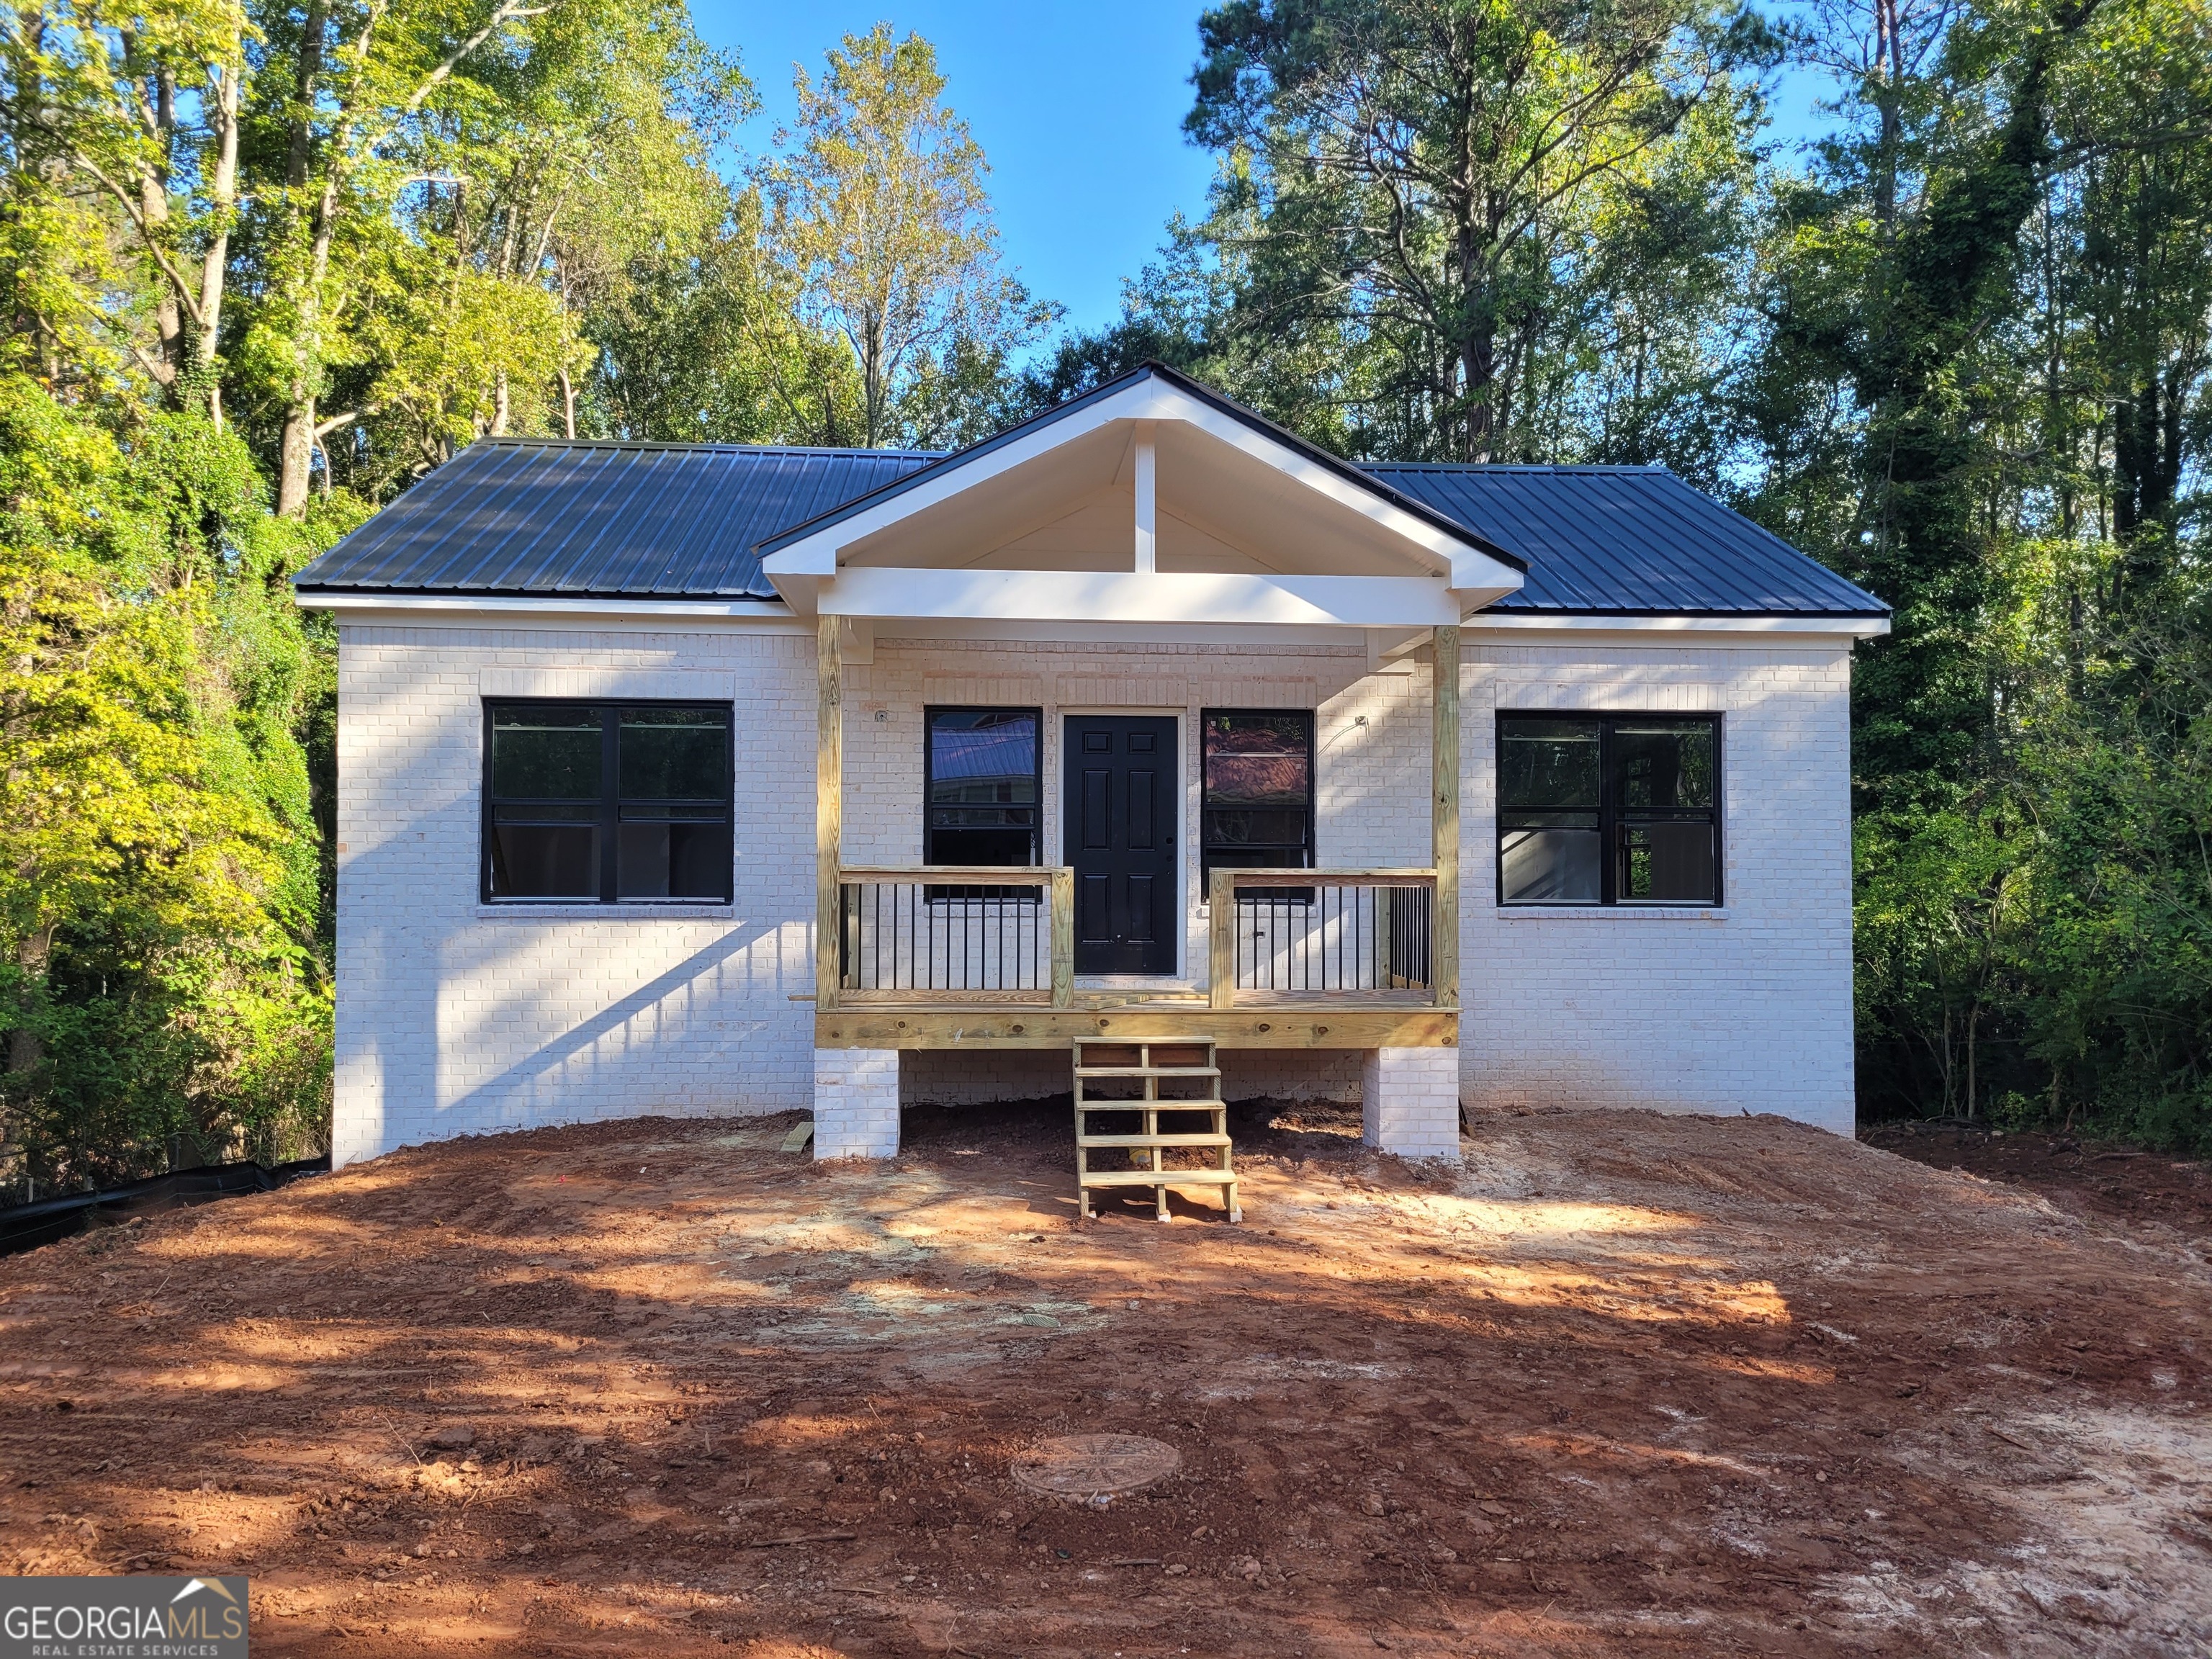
x=1625, y=1385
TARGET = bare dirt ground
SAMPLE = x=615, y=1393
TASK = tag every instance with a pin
x=2140, y=1190
x=1625, y=1385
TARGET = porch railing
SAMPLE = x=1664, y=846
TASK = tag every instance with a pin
x=953, y=934
x=1291, y=933
x=956, y=934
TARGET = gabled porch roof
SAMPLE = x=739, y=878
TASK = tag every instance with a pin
x=1149, y=500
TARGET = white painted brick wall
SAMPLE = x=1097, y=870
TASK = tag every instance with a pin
x=1746, y=1007
x=453, y=1018
x=1409, y=1100
x=856, y=1103
x=1365, y=815
x=456, y=1019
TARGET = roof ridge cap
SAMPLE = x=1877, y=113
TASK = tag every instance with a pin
x=516, y=441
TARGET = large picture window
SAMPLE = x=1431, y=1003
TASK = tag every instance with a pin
x=1616, y=809
x=981, y=781
x=1258, y=806
x=607, y=802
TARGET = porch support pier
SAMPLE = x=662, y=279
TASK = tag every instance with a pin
x=1409, y=1096
x=856, y=1091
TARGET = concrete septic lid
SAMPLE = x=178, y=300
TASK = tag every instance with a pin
x=1087, y=1466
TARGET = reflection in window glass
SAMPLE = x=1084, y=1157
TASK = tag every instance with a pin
x=673, y=754
x=1548, y=764
x=1549, y=866
x=1608, y=810
x=545, y=754
x=982, y=806
x=1665, y=763
x=1668, y=863
x=559, y=803
x=1258, y=790
x=545, y=860
x=675, y=838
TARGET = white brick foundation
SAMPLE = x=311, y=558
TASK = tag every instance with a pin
x=1409, y=1100
x=856, y=1103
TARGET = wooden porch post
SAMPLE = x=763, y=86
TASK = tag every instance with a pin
x=1443, y=941
x=829, y=813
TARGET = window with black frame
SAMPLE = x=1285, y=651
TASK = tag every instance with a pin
x=981, y=783
x=1257, y=810
x=1616, y=809
x=607, y=802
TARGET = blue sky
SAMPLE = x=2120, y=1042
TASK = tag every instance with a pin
x=1079, y=107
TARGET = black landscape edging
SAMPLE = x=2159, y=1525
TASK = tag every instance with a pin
x=27, y=1226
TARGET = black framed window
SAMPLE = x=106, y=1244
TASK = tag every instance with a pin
x=982, y=784
x=607, y=802
x=1257, y=806
x=1611, y=808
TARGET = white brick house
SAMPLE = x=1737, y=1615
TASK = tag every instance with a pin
x=624, y=727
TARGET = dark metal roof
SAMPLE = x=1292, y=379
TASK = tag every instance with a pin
x=1630, y=541
x=631, y=520
x=538, y=515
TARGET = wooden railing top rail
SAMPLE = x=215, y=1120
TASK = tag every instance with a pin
x=954, y=875
x=1292, y=877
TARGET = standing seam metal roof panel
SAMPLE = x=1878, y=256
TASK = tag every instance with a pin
x=641, y=521
x=1630, y=540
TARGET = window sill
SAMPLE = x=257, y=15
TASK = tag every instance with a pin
x=556, y=910
x=1611, y=912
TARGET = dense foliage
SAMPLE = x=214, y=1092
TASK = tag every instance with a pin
x=263, y=261
x=261, y=265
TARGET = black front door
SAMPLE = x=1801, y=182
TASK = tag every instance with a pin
x=1120, y=837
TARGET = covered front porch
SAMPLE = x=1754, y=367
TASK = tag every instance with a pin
x=1133, y=681
x=963, y=957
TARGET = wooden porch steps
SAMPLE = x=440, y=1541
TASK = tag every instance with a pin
x=1138, y=1069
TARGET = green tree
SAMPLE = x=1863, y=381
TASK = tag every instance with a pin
x=97, y=100
x=158, y=870
x=878, y=209
x=1411, y=175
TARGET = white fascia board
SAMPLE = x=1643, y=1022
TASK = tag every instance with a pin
x=1149, y=400
x=535, y=610
x=1855, y=627
x=1129, y=597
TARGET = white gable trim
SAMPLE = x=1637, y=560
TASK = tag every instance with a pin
x=798, y=570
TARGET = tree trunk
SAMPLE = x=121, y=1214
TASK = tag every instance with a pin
x=154, y=214
x=568, y=404
x=1478, y=358
x=296, y=449
x=301, y=139
x=296, y=454
x=27, y=1050
x=221, y=109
